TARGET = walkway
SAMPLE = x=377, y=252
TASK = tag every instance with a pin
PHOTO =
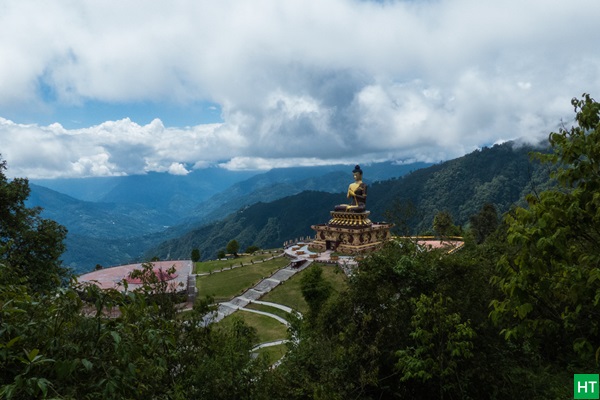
x=301, y=252
x=301, y=258
x=253, y=294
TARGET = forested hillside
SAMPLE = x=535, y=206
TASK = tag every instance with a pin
x=501, y=175
x=266, y=225
x=125, y=216
x=96, y=219
x=284, y=182
x=100, y=233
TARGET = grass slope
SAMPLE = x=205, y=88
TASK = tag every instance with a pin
x=227, y=284
x=267, y=329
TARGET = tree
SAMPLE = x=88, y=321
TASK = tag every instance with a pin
x=252, y=249
x=233, y=247
x=441, y=340
x=28, y=243
x=551, y=281
x=69, y=346
x=403, y=214
x=315, y=289
x=443, y=224
x=484, y=223
x=195, y=255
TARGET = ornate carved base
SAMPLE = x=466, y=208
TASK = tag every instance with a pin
x=350, y=219
x=350, y=239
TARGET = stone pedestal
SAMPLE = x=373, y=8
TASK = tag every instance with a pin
x=351, y=233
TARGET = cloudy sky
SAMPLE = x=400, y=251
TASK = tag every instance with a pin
x=115, y=87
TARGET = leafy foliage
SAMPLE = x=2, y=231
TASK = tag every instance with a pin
x=195, y=256
x=251, y=249
x=441, y=341
x=552, y=280
x=233, y=247
x=484, y=223
x=87, y=343
x=30, y=244
x=315, y=289
x=443, y=225
x=396, y=332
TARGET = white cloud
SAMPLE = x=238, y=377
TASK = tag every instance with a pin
x=297, y=81
x=178, y=169
x=112, y=148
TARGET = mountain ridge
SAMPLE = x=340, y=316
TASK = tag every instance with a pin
x=501, y=175
x=96, y=236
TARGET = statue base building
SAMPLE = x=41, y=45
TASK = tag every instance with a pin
x=350, y=233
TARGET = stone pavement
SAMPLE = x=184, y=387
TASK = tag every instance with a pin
x=301, y=252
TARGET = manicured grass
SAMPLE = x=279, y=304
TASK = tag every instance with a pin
x=273, y=310
x=289, y=293
x=274, y=353
x=217, y=265
x=227, y=284
x=268, y=329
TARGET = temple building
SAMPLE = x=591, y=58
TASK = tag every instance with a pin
x=350, y=230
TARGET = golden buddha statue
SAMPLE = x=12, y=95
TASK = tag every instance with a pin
x=357, y=191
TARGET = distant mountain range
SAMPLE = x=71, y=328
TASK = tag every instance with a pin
x=172, y=195
x=127, y=219
x=501, y=175
x=116, y=220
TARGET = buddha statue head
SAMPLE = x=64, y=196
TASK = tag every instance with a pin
x=357, y=173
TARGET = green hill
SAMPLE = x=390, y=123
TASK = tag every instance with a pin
x=501, y=175
x=263, y=224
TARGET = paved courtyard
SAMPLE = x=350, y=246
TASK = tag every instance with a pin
x=111, y=278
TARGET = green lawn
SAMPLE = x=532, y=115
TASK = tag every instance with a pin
x=273, y=310
x=274, y=353
x=216, y=265
x=227, y=284
x=268, y=329
x=289, y=293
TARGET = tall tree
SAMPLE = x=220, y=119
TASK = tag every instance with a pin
x=195, y=255
x=484, y=223
x=233, y=247
x=28, y=243
x=441, y=341
x=552, y=281
x=443, y=224
x=315, y=288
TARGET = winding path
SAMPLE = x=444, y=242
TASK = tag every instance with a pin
x=253, y=295
x=301, y=258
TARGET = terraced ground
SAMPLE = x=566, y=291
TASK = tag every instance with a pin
x=265, y=272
